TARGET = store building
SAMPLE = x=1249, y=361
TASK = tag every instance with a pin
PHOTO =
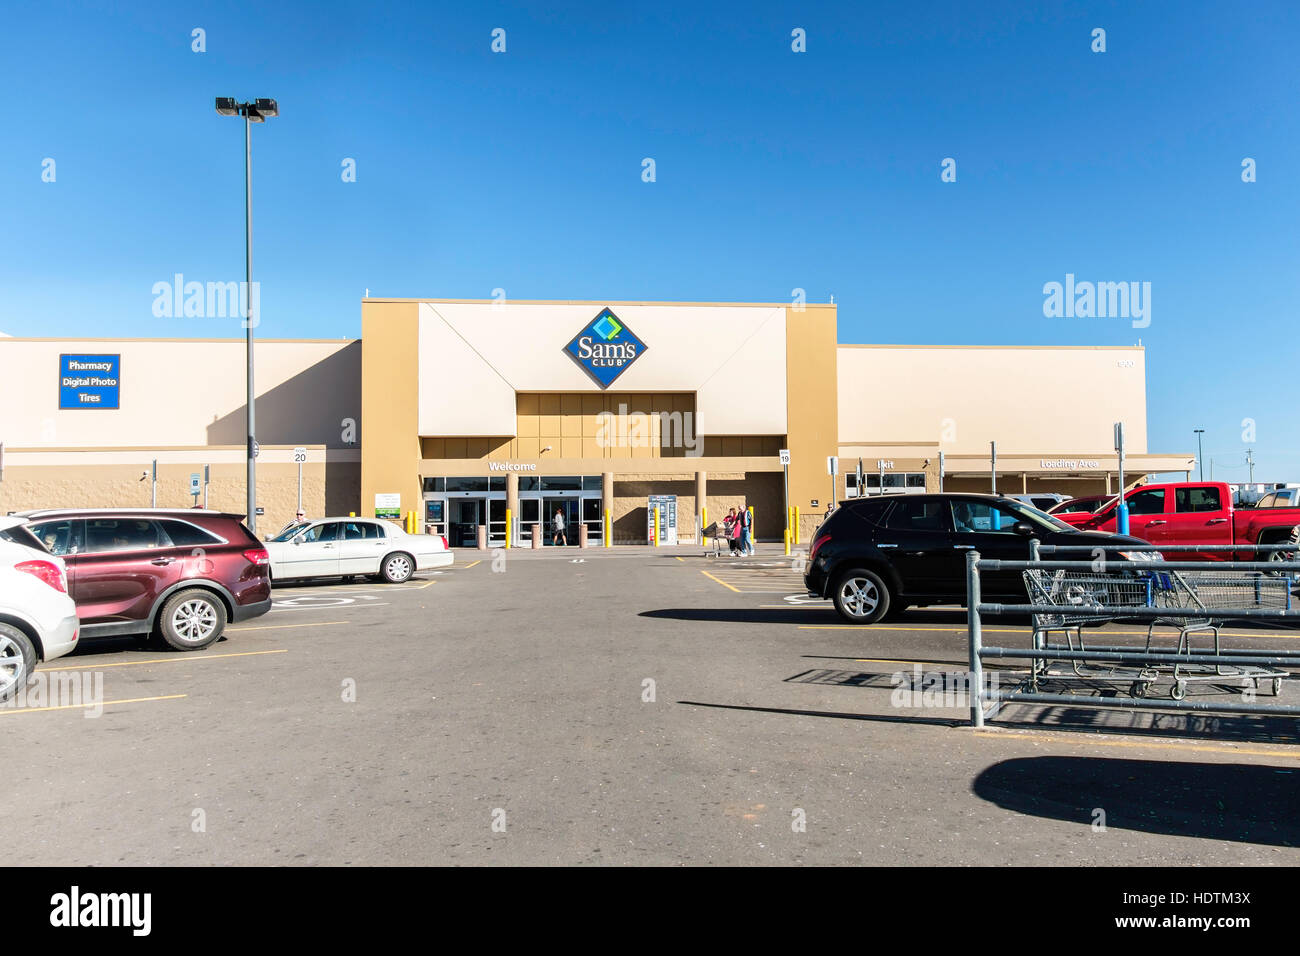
x=464, y=412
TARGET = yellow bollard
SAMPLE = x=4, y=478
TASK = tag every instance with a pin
x=656, y=542
x=704, y=520
x=796, y=524
x=607, y=527
x=787, y=540
x=352, y=514
x=508, y=527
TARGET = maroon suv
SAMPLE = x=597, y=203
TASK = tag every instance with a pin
x=178, y=574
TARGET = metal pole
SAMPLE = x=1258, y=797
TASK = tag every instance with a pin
x=1200, y=460
x=786, y=469
x=940, y=472
x=1121, y=510
x=248, y=317
x=300, y=486
x=976, y=667
x=153, y=490
x=1250, y=461
x=993, y=464
x=880, y=464
x=206, y=478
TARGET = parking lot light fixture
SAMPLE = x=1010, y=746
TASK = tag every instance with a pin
x=255, y=111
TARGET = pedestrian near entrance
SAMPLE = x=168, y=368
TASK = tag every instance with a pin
x=558, y=536
x=746, y=530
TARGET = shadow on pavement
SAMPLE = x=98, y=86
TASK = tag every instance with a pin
x=1244, y=803
x=796, y=712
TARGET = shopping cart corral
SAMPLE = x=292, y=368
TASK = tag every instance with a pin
x=1183, y=605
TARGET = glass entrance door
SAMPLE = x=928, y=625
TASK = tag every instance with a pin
x=568, y=510
x=466, y=515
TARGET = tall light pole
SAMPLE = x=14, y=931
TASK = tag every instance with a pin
x=255, y=111
x=1250, y=462
x=1199, y=460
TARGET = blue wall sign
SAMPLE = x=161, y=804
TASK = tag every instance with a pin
x=89, y=381
x=605, y=348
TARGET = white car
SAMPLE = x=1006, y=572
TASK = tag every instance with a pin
x=333, y=547
x=38, y=620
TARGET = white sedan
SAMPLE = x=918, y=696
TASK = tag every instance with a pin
x=38, y=620
x=334, y=547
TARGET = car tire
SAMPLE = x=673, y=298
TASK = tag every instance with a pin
x=397, y=567
x=861, y=596
x=17, y=660
x=192, y=619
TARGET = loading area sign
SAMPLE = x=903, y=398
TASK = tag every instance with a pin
x=89, y=381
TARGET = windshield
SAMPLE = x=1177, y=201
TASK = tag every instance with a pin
x=289, y=531
x=1034, y=516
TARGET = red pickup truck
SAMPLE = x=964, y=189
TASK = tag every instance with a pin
x=1198, y=512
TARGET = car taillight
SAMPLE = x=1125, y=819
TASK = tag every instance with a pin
x=443, y=539
x=257, y=556
x=47, y=571
x=817, y=544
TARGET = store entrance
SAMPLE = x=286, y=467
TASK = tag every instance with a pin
x=568, y=509
x=466, y=516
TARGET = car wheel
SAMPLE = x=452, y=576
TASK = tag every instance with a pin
x=192, y=619
x=861, y=596
x=1277, y=557
x=17, y=660
x=397, y=567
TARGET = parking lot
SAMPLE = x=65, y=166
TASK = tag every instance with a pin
x=567, y=707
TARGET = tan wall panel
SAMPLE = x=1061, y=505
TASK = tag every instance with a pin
x=390, y=377
x=326, y=489
x=813, y=398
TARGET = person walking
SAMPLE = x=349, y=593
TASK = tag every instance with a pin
x=558, y=536
x=747, y=530
x=729, y=526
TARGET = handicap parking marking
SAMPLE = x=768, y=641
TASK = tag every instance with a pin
x=315, y=602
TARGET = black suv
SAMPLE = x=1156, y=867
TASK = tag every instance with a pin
x=877, y=556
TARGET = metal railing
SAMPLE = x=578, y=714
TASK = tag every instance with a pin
x=985, y=702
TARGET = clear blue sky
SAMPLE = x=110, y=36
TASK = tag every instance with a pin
x=775, y=170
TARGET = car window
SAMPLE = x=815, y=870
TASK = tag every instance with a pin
x=1196, y=500
x=124, y=534
x=329, y=531
x=918, y=516
x=19, y=534
x=289, y=530
x=361, y=530
x=1148, y=502
x=59, y=536
x=969, y=516
x=185, y=535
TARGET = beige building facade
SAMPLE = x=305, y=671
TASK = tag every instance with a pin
x=501, y=414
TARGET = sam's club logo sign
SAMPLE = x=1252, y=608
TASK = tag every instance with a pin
x=605, y=348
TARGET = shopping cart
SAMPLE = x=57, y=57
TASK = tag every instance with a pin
x=1197, y=601
x=715, y=539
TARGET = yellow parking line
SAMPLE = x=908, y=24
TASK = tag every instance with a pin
x=1200, y=748
x=719, y=580
x=178, y=659
x=102, y=703
x=281, y=627
x=680, y=558
x=468, y=566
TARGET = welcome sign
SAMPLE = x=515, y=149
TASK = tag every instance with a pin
x=605, y=348
x=89, y=381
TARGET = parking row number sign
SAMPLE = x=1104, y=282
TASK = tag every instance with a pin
x=785, y=456
x=300, y=454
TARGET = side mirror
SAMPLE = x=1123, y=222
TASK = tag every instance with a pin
x=1023, y=528
x=297, y=540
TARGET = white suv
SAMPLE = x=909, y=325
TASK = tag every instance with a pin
x=38, y=620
